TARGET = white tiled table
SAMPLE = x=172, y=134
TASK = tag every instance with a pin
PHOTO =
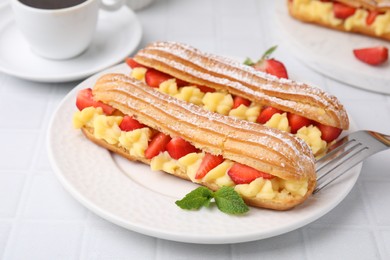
x=40, y=220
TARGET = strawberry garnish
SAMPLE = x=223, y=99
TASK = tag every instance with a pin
x=154, y=77
x=205, y=89
x=129, y=124
x=296, y=122
x=85, y=99
x=372, y=14
x=242, y=174
x=133, y=64
x=238, y=101
x=208, y=163
x=373, y=55
x=343, y=11
x=157, y=145
x=328, y=133
x=178, y=147
x=268, y=65
x=266, y=114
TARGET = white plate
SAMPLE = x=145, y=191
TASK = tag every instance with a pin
x=129, y=194
x=330, y=52
x=117, y=36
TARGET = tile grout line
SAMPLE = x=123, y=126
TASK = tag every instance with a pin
x=28, y=179
x=372, y=221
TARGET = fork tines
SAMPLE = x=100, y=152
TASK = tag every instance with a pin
x=345, y=154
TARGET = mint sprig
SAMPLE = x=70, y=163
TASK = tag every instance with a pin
x=226, y=199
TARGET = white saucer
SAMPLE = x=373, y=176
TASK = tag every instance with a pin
x=118, y=35
x=330, y=52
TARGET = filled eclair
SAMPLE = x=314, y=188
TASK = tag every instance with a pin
x=231, y=88
x=367, y=17
x=269, y=168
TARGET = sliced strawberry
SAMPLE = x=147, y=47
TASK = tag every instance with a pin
x=267, y=113
x=373, y=56
x=296, y=122
x=178, y=147
x=133, y=64
x=242, y=174
x=157, y=145
x=129, y=124
x=273, y=67
x=268, y=65
x=154, y=77
x=237, y=101
x=329, y=133
x=181, y=83
x=85, y=99
x=205, y=89
x=209, y=162
x=343, y=11
x=372, y=14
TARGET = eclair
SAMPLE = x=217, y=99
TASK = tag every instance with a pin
x=269, y=168
x=229, y=87
x=367, y=17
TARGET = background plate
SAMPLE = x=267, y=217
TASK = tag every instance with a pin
x=330, y=52
x=129, y=194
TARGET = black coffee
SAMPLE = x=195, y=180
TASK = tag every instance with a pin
x=51, y=4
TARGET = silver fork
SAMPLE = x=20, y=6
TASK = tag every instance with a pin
x=346, y=153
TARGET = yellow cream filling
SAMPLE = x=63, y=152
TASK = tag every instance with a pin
x=136, y=142
x=315, y=9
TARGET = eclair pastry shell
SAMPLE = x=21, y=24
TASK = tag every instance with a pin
x=195, y=67
x=268, y=150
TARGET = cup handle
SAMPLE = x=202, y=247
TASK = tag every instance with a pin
x=112, y=5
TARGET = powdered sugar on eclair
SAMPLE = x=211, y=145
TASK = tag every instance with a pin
x=199, y=67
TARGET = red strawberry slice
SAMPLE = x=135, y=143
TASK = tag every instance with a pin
x=205, y=89
x=237, y=101
x=154, y=77
x=329, y=133
x=133, y=64
x=343, y=11
x=296, y=122
x=373, y=56
x=372, y=14
x=178, y=147
x=129, y=124
x=267, y=113
x=85, y=99
x=208, y=163
x=273, y=67
x=242, y=174
x=157, y=145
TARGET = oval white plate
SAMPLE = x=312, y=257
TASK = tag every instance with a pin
x=117, y=36
x=129, y=194
x=330, y=52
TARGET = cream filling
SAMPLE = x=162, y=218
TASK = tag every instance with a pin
x=315, y=9
x=136, y=142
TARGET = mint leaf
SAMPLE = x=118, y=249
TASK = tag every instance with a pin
x=196, y=199
x=229, y=201
x=268, y=52
x=249, y=62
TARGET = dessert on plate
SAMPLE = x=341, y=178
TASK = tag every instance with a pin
x=367, y=17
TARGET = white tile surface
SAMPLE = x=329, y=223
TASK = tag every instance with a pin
x=40, y=220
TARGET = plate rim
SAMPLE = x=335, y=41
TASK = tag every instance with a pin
x=312, y=61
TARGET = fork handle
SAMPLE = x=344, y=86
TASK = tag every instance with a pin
x=381, y=137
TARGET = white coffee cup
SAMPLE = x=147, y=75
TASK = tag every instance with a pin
x=60, y=33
